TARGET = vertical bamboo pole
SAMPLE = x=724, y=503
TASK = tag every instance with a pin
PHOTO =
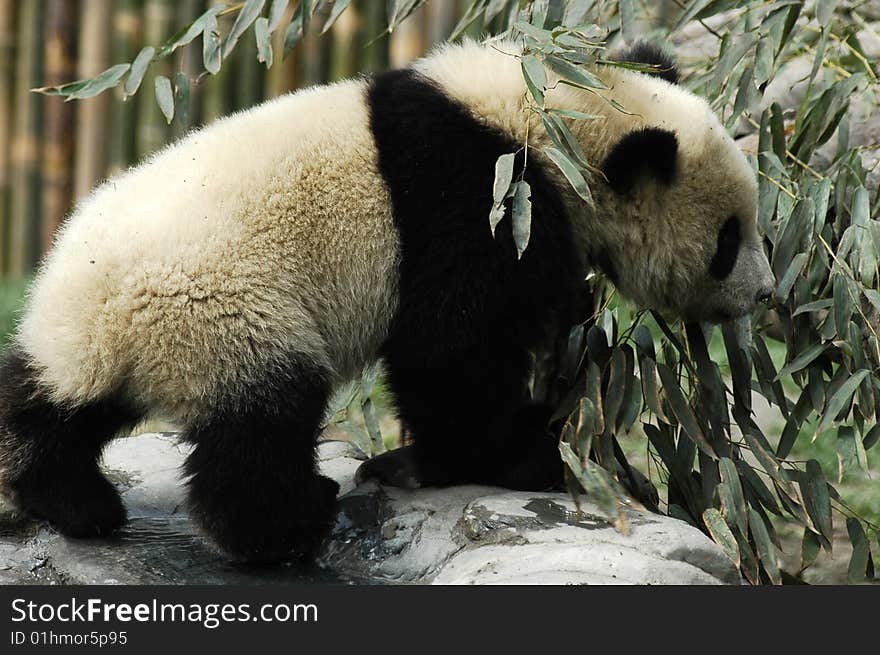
x=281, y=78
x=25, y=179
x=441, y=20
x=314, y=50
x=247, y=75
x=345, y=51
x=373, y=42
x=90, y=158
x=217, y=88
x=60, y=66
x=408, y=39
x=189, y=62
x=126, y=40
x=7, y=61
x=153, y=131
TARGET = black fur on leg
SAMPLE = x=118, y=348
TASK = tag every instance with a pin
x=49, y=454
x=253, y=482
x=470, y=310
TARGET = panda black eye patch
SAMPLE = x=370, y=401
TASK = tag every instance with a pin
x=727, y=249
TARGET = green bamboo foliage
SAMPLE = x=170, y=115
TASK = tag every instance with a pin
x=7, y=64
x=90, y=161
x=57, y=164
x=25, y=175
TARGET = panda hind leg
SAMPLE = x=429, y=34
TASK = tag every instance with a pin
x=49, y=453
x=253, y=485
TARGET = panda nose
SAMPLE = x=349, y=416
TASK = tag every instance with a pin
x=764, y=295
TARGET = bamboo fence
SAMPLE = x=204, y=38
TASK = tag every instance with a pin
x=53, y=152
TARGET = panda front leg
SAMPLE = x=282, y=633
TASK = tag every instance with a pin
x=49, y=453
x=253, y=484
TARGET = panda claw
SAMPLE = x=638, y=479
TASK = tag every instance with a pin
x=395, y=468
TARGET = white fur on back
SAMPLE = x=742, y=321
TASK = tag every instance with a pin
x=265, y=234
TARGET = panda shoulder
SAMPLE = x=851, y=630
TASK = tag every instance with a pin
x=651, y=54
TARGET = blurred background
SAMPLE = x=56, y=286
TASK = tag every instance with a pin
x=52, y=152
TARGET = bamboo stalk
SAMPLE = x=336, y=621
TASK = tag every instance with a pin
x=25, y=178
x=126, y=40
x=217, y=92
x=408, y=39
x=441, y=19
x=248, y=79
x=314, y=50
x=153, y=131
x=7, y=65
x=345, y=51
x=60, y=66
x=189, y=62
x=90, y=158
x=373, y=44
x=281, y=78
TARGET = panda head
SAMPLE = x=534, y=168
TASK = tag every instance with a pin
x=678, y=225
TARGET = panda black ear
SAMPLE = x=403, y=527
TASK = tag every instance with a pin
x=651, y=54
x=651, y=151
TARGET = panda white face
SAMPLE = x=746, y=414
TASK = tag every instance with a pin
x=682, y=234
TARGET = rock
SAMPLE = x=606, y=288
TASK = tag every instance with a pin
x=458, y=535
x=484, y=535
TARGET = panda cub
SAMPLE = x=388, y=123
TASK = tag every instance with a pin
x=232, y=280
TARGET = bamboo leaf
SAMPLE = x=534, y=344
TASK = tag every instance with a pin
x=264, y=41
x=246, y=16
x=858, y=563
x=500, y=188
x=596, y=482
x=211, y=51
x=571, y=173
x=765, y=547
x=191, y=31
x=106, y=80
x=535, y=76
x=817, y=501
x=181, y=99
x=165, y=97
x=279, y=7
x=721, y=534
x=840, y=398
x=338, y=7
x=574, y=74
x=682, y=411
x=802, y=360
x=521, y=216
x=138, y=69
x=730, y=480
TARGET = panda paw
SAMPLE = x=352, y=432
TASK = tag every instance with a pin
x=395, y=468
x=77, y=506
x=272, y=529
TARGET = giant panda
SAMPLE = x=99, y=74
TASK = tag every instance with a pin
x=230, y=282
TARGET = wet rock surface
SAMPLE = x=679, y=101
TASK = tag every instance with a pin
x=459, y=535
